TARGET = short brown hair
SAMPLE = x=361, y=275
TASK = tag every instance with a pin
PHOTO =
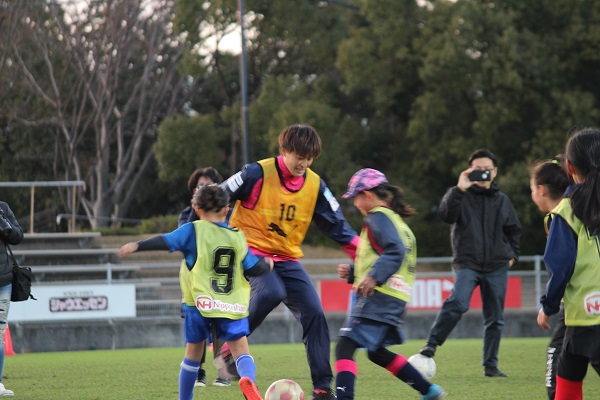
x=208, y=172
x=302, y=140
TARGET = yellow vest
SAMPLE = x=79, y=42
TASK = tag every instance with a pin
x=278, y=222
x=582, y=294
x=216, y=284
x=400, y=284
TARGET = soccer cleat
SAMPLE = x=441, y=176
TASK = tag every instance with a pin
x=493, y=372
x=428, y=350
x=5, y=392
x=249, y=389
x=201, y=379
x=221, y=382
x=435, y=392
x=323, y=394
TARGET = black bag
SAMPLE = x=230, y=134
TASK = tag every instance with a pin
x=21, y=284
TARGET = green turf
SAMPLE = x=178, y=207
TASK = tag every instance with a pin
x=153, y=373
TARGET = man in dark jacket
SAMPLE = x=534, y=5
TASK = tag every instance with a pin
x=10, y=233
x=485, y=236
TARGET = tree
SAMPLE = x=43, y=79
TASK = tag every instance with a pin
x=101, y=78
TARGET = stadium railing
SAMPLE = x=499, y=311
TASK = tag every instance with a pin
x=157, y=283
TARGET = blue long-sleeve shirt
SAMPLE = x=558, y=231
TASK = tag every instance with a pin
x=559, y=257
x=184, y=239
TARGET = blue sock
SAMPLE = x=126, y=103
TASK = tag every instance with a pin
x=246, y=367
x=187, y=378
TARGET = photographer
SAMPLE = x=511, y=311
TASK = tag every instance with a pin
x=10, y=233
x=485, y=237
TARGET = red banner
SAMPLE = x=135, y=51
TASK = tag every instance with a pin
x=428, y=294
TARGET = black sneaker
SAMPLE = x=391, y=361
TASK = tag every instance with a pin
x=201, y=379
x=429, y=350
x=494, y=372
x=323, y=394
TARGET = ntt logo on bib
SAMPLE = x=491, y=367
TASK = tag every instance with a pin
x=592, y=303
x=204, y=303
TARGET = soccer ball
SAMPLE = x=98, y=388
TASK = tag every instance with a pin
x=284, y=389
x=425, y=365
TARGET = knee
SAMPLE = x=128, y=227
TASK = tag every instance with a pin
x=456, y=306
x=276, y=294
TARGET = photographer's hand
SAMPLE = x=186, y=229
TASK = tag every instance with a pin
x=463, y=180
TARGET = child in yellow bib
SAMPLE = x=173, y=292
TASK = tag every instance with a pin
x=383, y=277
x=572, y=258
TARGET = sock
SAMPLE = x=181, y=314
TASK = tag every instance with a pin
x=568, y=390
x=246, y=367
x=401, y=369
x=346, y=372
x=187, y=378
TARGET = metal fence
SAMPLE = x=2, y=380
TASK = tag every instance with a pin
x=157, y=284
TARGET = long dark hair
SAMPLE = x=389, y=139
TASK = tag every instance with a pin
x=394, y=197
x=583, y=152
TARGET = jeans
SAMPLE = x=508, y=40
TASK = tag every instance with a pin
x=5, y=292
x=493, y=292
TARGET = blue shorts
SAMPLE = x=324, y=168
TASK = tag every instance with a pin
x=371, y=334
x=197, y=328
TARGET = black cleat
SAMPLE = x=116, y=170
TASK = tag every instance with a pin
x=428, y=350
x=494, y=372
x=323, y=394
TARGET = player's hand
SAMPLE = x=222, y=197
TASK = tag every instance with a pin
x=128, y=249
x=542, y=319
x=343, y=271
x=463, y=180
x=367, y=286
x=269, y=261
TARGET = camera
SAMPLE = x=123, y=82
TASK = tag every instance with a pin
x=5, y=226
x=479, y=175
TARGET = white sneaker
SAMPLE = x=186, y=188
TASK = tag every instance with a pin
x=5, y=392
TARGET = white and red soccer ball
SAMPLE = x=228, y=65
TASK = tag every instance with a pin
x=284, y=389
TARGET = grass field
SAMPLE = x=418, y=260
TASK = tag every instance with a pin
x=153, y=373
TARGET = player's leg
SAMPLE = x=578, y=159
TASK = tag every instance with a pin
x=196, y=332
x=234, y=332
x=201, y=378
x=553, y=351
x=304, y=303
x=222, y=378
x=493, y=292
x=570, y=373
x=452, y=310
x=399, y=366
x=581, y=344
x=267, y=292
x=345, y=368
x=189, y=369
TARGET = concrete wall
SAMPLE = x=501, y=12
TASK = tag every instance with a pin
x=149, y=333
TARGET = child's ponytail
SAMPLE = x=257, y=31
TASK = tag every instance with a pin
x=394, y=197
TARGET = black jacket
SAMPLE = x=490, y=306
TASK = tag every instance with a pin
x=14, y=237
x=485, y=230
